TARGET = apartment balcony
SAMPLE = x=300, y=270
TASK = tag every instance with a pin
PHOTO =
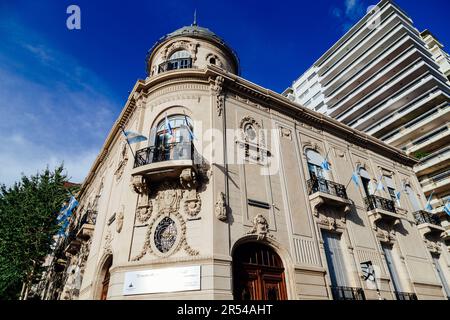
x=381, y=209
x=166, y=161
x=347, y=293
x=385, y=89
x=428, y=223
x=410, y=110
x=419, y=126
x=438, y=183
x=365, y=51
x=175, y=64
x=86, y=225
x=328, y=193
x=430, y=142
x=366, y=114
x=434, y=162
x=389, y=72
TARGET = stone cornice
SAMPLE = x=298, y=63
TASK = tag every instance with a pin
x=265, y=97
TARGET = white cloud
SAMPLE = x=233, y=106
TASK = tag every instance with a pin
x=352, y=11
x=52, y=110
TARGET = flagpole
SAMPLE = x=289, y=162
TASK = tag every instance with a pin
x=123, y=131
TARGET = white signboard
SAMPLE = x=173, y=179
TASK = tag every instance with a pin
x=162, y=280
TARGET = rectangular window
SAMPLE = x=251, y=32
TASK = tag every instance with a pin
x=441, y=276
x=387, y=250
x=335, y=259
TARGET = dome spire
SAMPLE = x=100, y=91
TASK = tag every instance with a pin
x=195, y=18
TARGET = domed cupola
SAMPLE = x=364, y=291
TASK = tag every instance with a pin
x=190, y=47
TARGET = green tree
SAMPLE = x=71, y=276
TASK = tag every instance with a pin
x=28, y=212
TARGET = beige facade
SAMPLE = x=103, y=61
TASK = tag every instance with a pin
x=249, y=188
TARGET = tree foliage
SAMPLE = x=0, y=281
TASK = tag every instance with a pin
x=28, y=212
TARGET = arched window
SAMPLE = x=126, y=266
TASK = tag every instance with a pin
x=212, y=60
x=174, y=143
x=180, y=55
x=413, y=198
x=315, y=161
x=180, y=59
x=366, y=181
x=390, y=187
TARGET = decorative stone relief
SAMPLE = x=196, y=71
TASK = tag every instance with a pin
x=220, y=208
x=192, y=203
x=432, y=246
x=216, y=88
x=119, y=220
x=178, y=45
x=168, y=198
x=122, y=162
x=168, y=202
x=260, y=227
x=218, y=63
x=286, y=133
x=144, y=207
x=188, y=178
x=107, y=247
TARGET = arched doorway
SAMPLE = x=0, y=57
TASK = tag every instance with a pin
x=258, y=273
x=106, y=277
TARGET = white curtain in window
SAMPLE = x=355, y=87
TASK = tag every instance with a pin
x=413, y=198
x=314, y=158
x=180, y=54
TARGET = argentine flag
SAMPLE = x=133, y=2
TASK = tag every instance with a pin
x=189, y=129
x=428, y=207
x=134, y=137
x=325, y=165
x=355, y=178
x=447, y=207
x=168, y=127
x=380, y=185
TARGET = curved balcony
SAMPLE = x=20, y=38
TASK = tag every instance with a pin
x=324, y=192
x=381, y=209
x=164, y=161
x=428, y=223
x=174, y=64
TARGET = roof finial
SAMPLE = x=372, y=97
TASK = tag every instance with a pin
x=195, y=18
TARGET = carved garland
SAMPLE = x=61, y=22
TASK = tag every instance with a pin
x=216, y=88
x=168, y=202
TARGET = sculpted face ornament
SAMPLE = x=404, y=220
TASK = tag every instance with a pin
x=260, y=227
x=220, y=208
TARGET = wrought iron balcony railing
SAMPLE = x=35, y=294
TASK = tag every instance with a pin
x=347, y=293
x=325, y=186
x=167, y=152
x=426, y=217
x=375, y=202
x=405, y=296
x=174, y=64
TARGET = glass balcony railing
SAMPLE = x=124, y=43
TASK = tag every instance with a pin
x=326, y=186
x=375, y=202
x=167, y=152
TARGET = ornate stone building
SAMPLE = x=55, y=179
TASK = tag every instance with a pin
x=192, y=213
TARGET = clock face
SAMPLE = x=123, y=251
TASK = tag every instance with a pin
x=165, y=235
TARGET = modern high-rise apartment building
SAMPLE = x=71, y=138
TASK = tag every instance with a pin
x=387, y=79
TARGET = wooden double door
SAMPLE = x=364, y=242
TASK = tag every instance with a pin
x=258, y=273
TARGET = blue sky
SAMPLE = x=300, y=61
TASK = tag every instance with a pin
x=61, y=90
